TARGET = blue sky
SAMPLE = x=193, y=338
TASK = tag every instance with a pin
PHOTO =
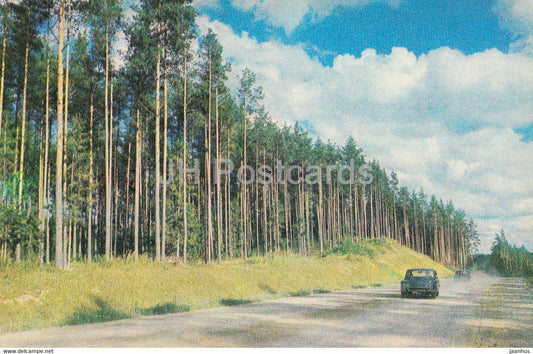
x=437, y=90
x=419, y=26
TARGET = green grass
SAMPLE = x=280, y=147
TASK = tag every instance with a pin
x=305, y=292
x=234, y=302
x=368, y=248
x=36, y=297
x=163, y=309
x=300, y=293
x=529, y=281
x=359, y=286
x=102, y=312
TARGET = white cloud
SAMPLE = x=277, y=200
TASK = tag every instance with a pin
x=517, y=17
x=513, y=228
x=443, y=121
x=290, y=14
x=484, y=88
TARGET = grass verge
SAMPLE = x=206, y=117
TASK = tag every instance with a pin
x=529, y=282
x=36, y=297
x=504, y=317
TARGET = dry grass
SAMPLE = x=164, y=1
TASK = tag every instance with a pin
x=43, y=297
x=504, y=317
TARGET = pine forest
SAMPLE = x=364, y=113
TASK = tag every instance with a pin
x=97, y=141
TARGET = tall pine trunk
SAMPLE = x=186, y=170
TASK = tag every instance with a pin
x=108, y=194
x=59, y=259
x=165, y=160
x=208, y=173
x=244, y=186
x=219, y=191
x=46, y=175
x=2, y=78
x=65, y=136
x=23, y=128
x=185, y=226
x=91, y=183
x=137, y=184
x=158, y=153
x=320, y=215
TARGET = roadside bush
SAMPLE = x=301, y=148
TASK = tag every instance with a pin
x=367, y=248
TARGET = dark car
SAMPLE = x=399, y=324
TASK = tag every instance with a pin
x=461, y=274
x=420, y=282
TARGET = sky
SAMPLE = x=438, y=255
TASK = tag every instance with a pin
x=438, y=91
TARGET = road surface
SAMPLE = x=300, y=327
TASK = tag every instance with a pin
x=486, y=311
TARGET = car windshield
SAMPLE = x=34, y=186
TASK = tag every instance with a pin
x=420, y=273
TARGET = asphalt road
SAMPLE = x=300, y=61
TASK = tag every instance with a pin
x=474, y=313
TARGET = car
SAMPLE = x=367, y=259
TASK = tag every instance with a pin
x=462, y=274
x=420, y=282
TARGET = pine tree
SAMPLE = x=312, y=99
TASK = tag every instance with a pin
x=59, y=256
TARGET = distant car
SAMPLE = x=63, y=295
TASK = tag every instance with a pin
x=420, y=282
x=461, y=274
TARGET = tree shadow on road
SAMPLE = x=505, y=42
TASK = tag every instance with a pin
x=100, y=312
x=385, y=295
